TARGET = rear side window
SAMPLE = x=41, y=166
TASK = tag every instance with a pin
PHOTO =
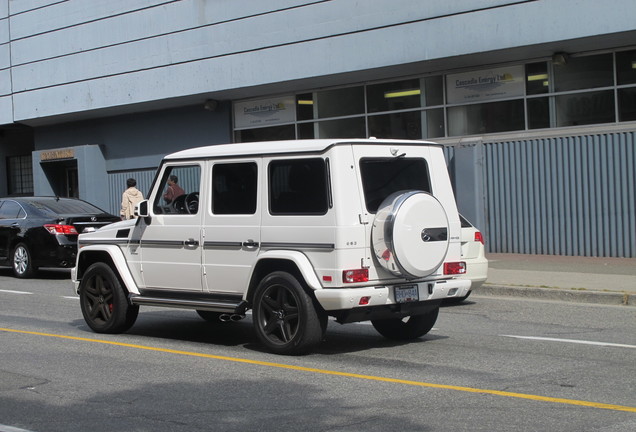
x=298, y=187
x=11, y=210
x=234, y=188
x=383, y=176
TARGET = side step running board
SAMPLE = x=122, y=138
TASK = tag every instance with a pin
x=207, y=305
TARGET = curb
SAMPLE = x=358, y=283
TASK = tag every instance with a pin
x=579, y=296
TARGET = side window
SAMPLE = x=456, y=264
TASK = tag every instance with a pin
x=234, y=187
x=383, y=176
x=11, y=210
x=179, y=190
x=298, y=187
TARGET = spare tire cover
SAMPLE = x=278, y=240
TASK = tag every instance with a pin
x=410, y=234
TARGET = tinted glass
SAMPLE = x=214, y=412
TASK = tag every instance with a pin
x=10, y=210
x=234, y=188
x=537, y=78
x=298, y=186
x=405, y=125
x=584, y=72
x=626, y=67
x=64, y=206
x=538, y=113
x=341, y=128
x=627, y=104
x=394, y=96
x=330, y=103
x=383, y=176
x=585, y=108
x=486, y=118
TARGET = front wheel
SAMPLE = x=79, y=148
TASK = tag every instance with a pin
x=103, y=301
x=22, y=261
x=285, y=318
x=407, y=328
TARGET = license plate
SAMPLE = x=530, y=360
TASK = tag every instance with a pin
x=405, y=294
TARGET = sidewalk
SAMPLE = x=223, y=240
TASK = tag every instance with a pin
x=555, y=277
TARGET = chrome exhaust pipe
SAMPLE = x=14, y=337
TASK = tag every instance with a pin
x=236, y=317
x=225, y=317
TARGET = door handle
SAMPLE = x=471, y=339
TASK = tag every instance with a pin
x=191, y=243
x=250, y=244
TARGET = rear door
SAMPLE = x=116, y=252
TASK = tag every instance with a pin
x=231, y=228
x=11, y=217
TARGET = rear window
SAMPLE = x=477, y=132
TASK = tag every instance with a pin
x=383, y=176
x=65, y=206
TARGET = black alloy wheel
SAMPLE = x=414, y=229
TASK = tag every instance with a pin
x=285, y=318
x=407, y=328
x=103, y=301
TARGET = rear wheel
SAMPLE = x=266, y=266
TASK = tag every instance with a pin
x=103, y=301
x=408, y=328
x=285, y=318
x=22, y=261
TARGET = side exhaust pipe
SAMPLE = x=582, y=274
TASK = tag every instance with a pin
x=231, y=317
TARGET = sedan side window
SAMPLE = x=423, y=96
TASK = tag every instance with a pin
x=11, y=210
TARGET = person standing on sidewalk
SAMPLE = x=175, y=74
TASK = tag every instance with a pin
x=129, y=199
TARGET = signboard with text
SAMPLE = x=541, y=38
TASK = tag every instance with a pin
x=484, y=85
x=264, y=112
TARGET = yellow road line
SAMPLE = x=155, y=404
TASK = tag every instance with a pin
x=342, y=374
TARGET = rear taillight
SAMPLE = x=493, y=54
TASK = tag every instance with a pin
x=357, y=275
x=479, y=237
x=56, y=229
x=454, y=268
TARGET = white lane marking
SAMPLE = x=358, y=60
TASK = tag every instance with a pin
x=15, y=292
x=71, y=297
x=5, y=428
x=576, y=341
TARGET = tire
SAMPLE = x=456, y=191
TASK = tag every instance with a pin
x=213, y=317
x=285, y=318
x=22, y=261
x=408, y=328
x=103, y=301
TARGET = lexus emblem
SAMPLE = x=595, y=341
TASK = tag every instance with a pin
x=426, y=237
x=93, y=219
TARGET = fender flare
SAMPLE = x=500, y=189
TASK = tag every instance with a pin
x=299, y=259
x=119, y=261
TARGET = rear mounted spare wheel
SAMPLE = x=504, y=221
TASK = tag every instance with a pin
x=410, y=234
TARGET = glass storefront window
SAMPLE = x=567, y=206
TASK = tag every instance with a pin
x=627, y=104
x=433, y=123
x=538, y=113
x=626, y=67
x=486, y=118
x=537, y=78
x=405, y=125
x=330, y=103
x=393, y=96
x=585, y=108
x=272, y=133
x=341, y=128
x=584, y=72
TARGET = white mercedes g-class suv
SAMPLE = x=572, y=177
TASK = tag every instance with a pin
x=296, y=231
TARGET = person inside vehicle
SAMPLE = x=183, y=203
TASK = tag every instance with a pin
x=173, y=191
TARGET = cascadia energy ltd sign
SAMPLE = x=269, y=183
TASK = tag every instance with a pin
x=485, y=85
x=264, y=112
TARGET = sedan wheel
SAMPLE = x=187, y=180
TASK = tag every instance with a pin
x=22, y=262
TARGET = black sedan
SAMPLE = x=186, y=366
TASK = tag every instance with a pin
x=42, y=231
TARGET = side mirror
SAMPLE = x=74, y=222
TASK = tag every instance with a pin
x=141, y=209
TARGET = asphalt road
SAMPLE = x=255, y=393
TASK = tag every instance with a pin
x=491, y=364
